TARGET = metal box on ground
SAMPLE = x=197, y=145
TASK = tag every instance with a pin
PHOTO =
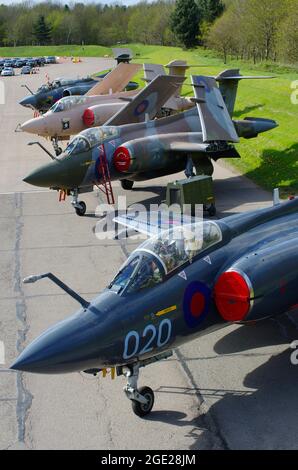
x=192, y=191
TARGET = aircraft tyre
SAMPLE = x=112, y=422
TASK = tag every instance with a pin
x=143, y=409
x=211, y=210
x=127, y=184
x=80, y=208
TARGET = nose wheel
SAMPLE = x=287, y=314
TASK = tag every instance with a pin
x=79, y=206
x=143, y=409
x=142, y=399
x=58, y=150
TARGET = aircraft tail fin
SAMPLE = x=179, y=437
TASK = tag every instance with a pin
x=116, y=80
x=151, y=71
x=178, y=68
x=228, y=85
x=216, y=121
x=148, y=102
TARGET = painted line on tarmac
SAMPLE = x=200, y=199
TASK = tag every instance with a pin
x=38, y=191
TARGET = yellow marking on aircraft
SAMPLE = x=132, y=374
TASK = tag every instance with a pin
x=112, y=371
x=88, y=163
x=166, y=310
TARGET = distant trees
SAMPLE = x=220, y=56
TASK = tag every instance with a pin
x=42, y=31
x=260, y=30
x=257, y=30
x=185, y=22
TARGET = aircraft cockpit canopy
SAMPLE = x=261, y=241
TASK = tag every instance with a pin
x=90, y=138
x=159, y=256
x=97, y=135
x=67, y=103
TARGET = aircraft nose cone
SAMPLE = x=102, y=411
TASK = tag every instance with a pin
x=34, y=126
x=28, y=102
x=52, y=175
x=63, y=348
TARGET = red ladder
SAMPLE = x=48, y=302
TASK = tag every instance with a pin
x=104, y=173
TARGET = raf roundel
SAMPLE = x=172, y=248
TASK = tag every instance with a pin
x=141, y=108
x=196, y=303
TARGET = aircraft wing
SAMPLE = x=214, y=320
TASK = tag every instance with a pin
x=225, y=151
x=116, y=80
x=148, y=102
x=216, y=121
x=154, y=222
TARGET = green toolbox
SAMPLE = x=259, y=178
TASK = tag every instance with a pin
x=192, y=191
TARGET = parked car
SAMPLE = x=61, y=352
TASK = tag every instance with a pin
x=50, y=60
x=31, y=63
x=26, y=70
x=7, y=72
x=7, y=63
x=20, y=63
x=40, y=61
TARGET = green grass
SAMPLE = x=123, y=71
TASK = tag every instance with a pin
x=271, y=160
x=35, y=51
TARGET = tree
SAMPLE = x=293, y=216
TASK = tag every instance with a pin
x=42, y=31
x=185, y=21
x=211, y=9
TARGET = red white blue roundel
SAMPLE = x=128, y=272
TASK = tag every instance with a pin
x=196, y=303
x=141, y=108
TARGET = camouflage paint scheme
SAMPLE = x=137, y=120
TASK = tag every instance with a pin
x=140, y=151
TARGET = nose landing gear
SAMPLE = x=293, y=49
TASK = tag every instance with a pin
x=142, y=399
x=58, y=150
x=79, y=206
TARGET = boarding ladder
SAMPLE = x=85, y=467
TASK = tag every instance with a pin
x=105, y=185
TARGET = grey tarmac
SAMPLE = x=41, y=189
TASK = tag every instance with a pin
x=234, y=388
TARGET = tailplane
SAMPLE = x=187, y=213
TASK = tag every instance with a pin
x=228, y=85
x=216, y=122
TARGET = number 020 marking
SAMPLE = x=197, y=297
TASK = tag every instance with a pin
x=150, y=332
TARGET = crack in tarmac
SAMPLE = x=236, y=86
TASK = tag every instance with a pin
x=24, y=398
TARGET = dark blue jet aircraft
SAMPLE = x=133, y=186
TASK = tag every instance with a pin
x=178, y=285
x=48, y=94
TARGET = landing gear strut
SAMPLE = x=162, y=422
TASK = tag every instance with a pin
x=58, y=150
x=79, y=206
x=142, y=399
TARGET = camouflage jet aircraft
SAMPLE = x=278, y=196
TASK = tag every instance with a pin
x=138, y=152
x=73, y=114
x=51, y=92
x=175, y=287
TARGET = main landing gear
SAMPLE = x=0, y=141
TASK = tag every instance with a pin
x=142, y=399
x=79, y=206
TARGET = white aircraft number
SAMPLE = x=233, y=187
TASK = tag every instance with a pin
x=154, y=336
